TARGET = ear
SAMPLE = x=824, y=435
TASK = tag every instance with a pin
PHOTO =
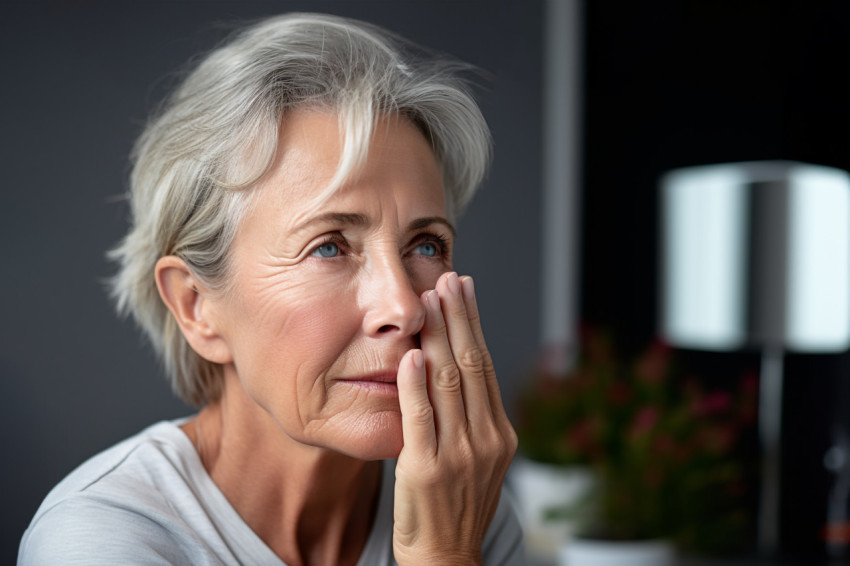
x=192, y=308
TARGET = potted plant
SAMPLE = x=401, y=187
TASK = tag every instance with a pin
x=664, y=451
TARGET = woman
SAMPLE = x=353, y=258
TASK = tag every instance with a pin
x=290, y=259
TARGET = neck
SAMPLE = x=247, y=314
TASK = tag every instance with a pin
x=309, y=505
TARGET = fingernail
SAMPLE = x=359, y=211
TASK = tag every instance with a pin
x=433, y=300
x=418, y=362
x=454, y=283
x=468, y=288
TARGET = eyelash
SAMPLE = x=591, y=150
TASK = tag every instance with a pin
x=331, y=239
x=441, y=242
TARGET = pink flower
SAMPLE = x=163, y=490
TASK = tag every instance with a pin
x=652, y=366
x=714, y=403
x=645, y=420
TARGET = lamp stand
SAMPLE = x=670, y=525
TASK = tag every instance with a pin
x=770, y=428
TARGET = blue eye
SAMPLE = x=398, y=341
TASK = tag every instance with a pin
x=328, y=249
x=428, y=249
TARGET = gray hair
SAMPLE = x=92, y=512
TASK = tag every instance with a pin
x=217, y=135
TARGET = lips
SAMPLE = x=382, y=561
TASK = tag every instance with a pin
x=381, y=383
x=378, y=377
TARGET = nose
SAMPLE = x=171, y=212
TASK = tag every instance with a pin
x=392, y=305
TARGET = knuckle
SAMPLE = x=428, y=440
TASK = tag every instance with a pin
x=471, y=359
x=447, y=376
x=498, y=444
x=498, y=448
x=404, y=533
x=421, y=414
x=488, y=361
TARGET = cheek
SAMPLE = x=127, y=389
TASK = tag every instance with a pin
x=291, y=330
x=300, y=298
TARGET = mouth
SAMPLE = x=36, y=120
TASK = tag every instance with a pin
x=378, y=382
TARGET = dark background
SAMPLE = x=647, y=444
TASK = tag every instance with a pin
x=666, y=84
x=694, y=82
x=678, y=83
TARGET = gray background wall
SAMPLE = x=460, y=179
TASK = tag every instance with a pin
x=77, y=81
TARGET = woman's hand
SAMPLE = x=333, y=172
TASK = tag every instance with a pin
x=458, y=441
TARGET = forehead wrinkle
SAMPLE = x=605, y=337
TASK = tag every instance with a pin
x=354, y=219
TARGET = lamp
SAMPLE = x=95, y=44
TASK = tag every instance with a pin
x=757, y=255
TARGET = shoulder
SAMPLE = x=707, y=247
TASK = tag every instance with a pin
x=82, y=530
x=112, y=508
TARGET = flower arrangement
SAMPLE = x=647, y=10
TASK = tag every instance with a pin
x=665, y=452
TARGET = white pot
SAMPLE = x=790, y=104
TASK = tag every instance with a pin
x=538, y=488
x=581, y=552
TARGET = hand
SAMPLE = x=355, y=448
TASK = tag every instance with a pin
x=458, y=442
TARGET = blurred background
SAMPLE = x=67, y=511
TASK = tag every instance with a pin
x=644, y=89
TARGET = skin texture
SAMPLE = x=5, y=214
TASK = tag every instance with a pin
x=346, y=339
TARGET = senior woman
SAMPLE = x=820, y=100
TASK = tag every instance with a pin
x=290, y=258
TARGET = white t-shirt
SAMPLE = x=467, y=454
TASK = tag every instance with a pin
x=149, y=500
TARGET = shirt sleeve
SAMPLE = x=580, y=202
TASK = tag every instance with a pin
x=503, y=544
x=80, y=531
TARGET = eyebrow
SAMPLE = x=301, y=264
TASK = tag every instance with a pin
x=346, y=218
x=355, y=219
x=420, y=223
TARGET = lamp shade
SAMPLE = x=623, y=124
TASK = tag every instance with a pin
x=756, y=254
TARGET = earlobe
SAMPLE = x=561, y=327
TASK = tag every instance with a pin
x=190, y=306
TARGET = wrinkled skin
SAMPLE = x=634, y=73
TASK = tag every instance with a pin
x=345, y=339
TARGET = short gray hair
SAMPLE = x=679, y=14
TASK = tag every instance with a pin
x=217, y=134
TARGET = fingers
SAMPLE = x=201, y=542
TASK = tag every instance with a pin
x=417, y=416
x=474, y=321
x=444, y=385
x=469, y=357
x=461, y=383
x=457, y=442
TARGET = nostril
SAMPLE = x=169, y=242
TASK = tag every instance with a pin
x=393, y=307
